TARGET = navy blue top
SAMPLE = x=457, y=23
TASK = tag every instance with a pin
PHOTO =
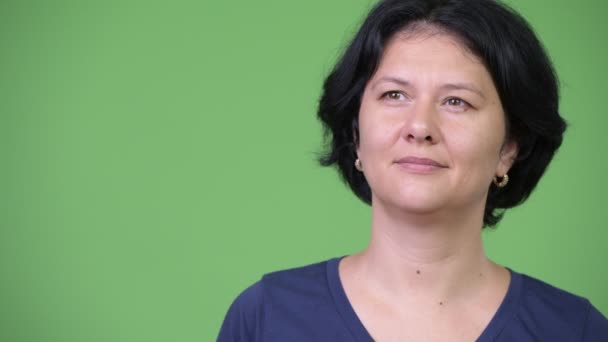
x=309, y=304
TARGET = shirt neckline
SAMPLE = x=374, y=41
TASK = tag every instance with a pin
x=505, y=311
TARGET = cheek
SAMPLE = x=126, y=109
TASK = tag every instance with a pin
x=379, y=127
x=376, y=130
x=377, y=136
x=477, y=149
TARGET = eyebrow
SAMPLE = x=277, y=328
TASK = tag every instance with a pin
x=463, y=86
x=397, y=80
x=447, y=86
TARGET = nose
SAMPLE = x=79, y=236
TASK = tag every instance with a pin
x=421, y=124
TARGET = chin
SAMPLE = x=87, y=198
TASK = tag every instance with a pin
x=419, y=204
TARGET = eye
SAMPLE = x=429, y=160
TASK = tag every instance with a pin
x=458, y=103
x=393, y=95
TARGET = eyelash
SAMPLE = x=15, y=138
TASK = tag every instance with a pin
x=391, y=92
x=465, y=103
x=387, y=95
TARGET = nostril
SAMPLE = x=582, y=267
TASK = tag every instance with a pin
x=420, y=135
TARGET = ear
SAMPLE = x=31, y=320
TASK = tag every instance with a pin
x=508, y=153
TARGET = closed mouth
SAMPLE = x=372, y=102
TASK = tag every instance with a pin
x=421, y=162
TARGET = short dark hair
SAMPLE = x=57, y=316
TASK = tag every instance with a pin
x=521, y=70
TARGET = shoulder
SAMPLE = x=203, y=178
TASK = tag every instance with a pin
x=244, y=316
x=546, y=307
x=537, y=294
x=309, y=278
x=279, y=291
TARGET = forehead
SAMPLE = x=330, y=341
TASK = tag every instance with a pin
x=431, y=53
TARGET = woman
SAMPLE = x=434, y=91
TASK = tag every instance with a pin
x=441, y=115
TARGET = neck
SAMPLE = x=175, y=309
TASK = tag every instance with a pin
x=430, y=256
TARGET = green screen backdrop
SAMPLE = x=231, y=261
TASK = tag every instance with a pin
x=158, y=157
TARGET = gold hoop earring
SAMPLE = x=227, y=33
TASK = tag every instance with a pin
x=501, y=182
x=358, y=165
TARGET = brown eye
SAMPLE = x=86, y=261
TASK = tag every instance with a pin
x=393, y=95
x=456, y=105
x=456, y=102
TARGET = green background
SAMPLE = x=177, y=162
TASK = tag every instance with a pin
x=159, y=157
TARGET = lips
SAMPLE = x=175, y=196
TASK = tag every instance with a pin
x=420, y=164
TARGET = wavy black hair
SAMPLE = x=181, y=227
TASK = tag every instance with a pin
x=520, y=68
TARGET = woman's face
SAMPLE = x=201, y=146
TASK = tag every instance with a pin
x=431, y=127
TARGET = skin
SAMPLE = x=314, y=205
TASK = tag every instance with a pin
x=424, y=275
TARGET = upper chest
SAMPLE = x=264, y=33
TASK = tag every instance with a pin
x=422, y=318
